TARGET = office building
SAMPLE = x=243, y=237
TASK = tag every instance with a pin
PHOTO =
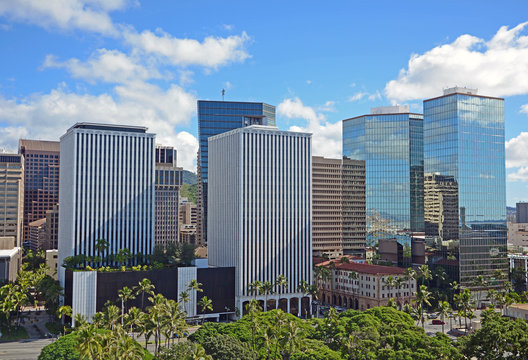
x=12, y=196
x=168, y=183
x=521, y=213
x=107, y=191
x=390, y=141
x=464, y=143
x=10, y=259
x=260, y=204
x=38, y=235
x=41, y=180
x=216, y=117
x=440, y=208
x=52, y=228
x=338, y=212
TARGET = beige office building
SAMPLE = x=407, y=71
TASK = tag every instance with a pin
x=12, y=196
x=52, y=228
x=338, y=209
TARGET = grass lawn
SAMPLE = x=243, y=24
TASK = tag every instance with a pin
x=16, y=334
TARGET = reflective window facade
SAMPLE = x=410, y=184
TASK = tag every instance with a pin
x=216, y=117
x=392, y=147
x=464, y=150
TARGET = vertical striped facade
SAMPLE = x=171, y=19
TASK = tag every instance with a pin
x=107, y=190
x=260, y=204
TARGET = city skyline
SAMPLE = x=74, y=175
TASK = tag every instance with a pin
x=126, y=63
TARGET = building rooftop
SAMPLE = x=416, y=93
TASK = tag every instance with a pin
x=460, y=90
x=398, y=109
x=519, y=306
x=10, y=158
x=365, y=268
x=260, y=128
x=109, y=127
x=9, y=252
x=39, y=145
x=38, y=222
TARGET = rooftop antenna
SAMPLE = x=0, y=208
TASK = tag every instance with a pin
x=223, y=93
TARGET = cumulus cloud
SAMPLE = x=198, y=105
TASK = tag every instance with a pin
x=497, y=67
x=520, y=175
x=326, y=138
x=212, y=52
x=365, y=95
x=516, y=157
x=47, y=116
x=104, y=65
x=90, y=15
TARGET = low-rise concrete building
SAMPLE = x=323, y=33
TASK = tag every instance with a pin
x=52, y=262
x=363, y=286
x=517, y=311
x=10, y=258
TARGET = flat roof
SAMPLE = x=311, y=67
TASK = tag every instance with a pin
x=260, y=128
x=9, y=253
x=39, y=145
x=109, y=127
x=465, y=94
x=519, y=306
x=406, y=113
x=234, y=102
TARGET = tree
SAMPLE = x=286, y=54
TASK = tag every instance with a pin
x=255, y=288
x=194, y=286
x=63, y=311
x=133, y=318
x=267, y=289
x=281, y=282
x=480, y=283
x=518, y=278
x=124, y=295
x=186, y=350
x=424, y=273
x=444, y=310
x=390, y=283
x=144, y=287
x=101, y=245
x=305, y=289
x=464, y=302
x=422, y=298
x=225, y=347
x=90, y=342
x=205, y=304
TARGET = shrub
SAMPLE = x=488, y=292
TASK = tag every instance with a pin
x=225, y=347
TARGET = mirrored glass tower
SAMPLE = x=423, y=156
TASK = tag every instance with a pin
x=390, y=141
x=465, y=180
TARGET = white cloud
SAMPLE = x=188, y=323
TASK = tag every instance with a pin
x=90, y=15
x=110, y=66
x=517, y=151
x=212, y=52
x=357, y=96
x=520, y=175
x=363, y=94
x=497, y=67
x=47, y=116
x=326, y=138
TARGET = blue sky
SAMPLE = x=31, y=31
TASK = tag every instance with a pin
x=147, y=62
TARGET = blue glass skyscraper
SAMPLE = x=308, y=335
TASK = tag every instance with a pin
x=390, y=141
x=465, y=178
x=216, y=117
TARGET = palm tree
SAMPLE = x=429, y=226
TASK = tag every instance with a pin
x=90, y=342
x=63, y=311
x=194, y=286
x=465, y=303
x=184, y=299
x=281, y=282
x=267, y=289
x=314, y=291
x=444, y=309
x=112, y=315
x=424, y=273
x=144, y=287
x=398, y=283
x=252, y=309
x=124, y=295
x=205, y=304
x=101, y=245
x=255, y=288
x=304, y=288
x=133, y=319
x=480, y=283
x=344, y=260
x=390, y=282
x=410, y=275
x=422, y=298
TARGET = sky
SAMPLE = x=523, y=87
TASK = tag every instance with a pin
x=147, y=62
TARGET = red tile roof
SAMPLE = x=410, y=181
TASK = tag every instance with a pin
x=366, y=268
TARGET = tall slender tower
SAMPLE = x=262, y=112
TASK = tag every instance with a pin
x=41, y=179
x=390, y=141
x=168, y=183
x=216, y=117
x=107, y=190
x=464, y=155
x=260, y=211
x=11, y=197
